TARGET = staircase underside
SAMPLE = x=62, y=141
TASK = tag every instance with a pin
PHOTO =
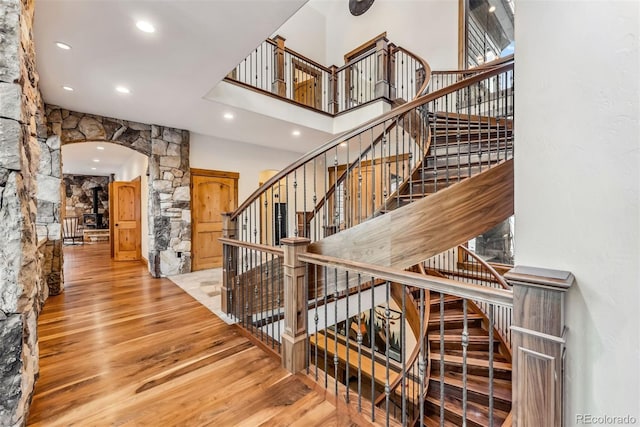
x=406, y=236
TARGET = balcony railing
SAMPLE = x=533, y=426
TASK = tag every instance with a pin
x=384, y=71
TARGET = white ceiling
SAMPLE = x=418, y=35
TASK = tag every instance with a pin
x=169, y=72
x=79, y=159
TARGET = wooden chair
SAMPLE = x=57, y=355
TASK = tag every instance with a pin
x=71, y=231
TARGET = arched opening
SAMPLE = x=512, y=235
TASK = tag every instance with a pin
x=167, y=170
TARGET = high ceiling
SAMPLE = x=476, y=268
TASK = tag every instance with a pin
x=168, y=72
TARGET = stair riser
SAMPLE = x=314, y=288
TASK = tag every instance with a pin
x=454, y=324
x=471, y=370
x=472, y=396
x=431, y=408
x=472, y=346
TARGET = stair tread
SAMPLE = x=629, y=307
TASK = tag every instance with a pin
x=476, y=335
x=478, y=384
x=452, y=317
x=476, y=413
x=474, y=354
x=457, y=360
x=434, y=421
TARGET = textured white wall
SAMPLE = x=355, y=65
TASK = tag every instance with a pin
x=577, y=185
x=135, y=167
x=218, y=154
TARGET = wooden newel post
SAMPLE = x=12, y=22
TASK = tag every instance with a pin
x=333, y=90
x=294, y=337
x=279, y=86
x=229, y=262
x=538, y=342
x=382, y=69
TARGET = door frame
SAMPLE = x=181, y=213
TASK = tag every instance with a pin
x=210, y=173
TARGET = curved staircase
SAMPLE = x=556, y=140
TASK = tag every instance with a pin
x=456, y=184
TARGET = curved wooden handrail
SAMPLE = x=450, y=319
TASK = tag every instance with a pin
x=489, y=65
x=498, y=278
x=425, y=65
x=395, y=112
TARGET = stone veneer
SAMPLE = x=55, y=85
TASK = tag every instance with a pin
x=79, y=195
x=21, y=288
x=169, y=178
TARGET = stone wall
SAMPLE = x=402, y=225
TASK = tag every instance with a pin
x=169, y=178
x=21, y=287
x=79, y=194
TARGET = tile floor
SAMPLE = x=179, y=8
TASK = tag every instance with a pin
x=204, y=286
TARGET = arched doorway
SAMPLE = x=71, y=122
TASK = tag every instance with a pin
x=169, y=208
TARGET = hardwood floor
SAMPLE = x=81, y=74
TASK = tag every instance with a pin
x=121, y=348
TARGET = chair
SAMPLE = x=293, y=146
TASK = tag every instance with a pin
x=71, y=231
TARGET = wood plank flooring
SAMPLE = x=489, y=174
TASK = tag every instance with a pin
x=121, y=348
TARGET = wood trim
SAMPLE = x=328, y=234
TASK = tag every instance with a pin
x=423, y=99
x=215, y=173
x=364, y=47
x=144, y=261
x=427, y=227
x=462, y=34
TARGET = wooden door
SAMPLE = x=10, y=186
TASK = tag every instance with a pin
x=212, y=193
x=125, y=221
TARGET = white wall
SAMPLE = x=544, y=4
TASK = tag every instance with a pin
x=135, y=167
x=577, y=185
x=209, y=152
x=428, y=28
x=305, y=32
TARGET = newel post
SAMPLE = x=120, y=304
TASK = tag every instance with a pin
x=229, y=261
x=279, y=86
x=382, y=69
x=294, y=337
x=333, y=90
x=538, y=343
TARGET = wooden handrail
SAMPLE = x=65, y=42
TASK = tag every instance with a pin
x=356, y=162
x=486, y=265
x=495, y=63
x=437, y=284
x=310, y=61
x=425, y=65
x=395, y=112
x=255, y=246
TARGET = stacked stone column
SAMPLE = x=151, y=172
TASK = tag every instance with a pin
x=21, y=288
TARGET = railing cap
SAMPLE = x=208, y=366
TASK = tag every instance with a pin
x=295, y=241
x=540, y=277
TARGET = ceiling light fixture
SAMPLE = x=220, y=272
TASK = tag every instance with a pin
x=492, y=9
x=122, y=89
x=228, y=116
x=96, y=160
x=145, y=26
x=69, y=88
x=295, y=133
x=100, y=147
x=63, y=46
x=93, y=169
x=343, y=144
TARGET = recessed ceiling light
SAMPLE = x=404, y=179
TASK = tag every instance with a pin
x=295, y=133
x=96, y=160
x=122, y=89
x=69, y=88
x=63, y=46
x=228, y=116
x=100, y=147
x=343, y=144
x=492, y=9
x=145, y=27
x=93, y=169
